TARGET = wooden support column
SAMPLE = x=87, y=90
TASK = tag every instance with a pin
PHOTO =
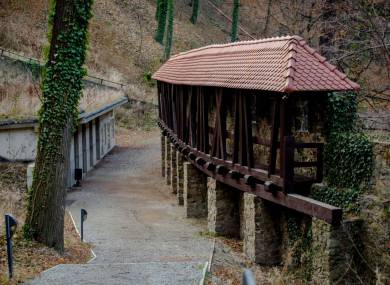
x=202, y=127
x=286, y=145
x=274, y=137
x=288, y=166
x=219, y=135
x=243, y=144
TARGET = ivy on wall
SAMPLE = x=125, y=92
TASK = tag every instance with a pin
x=348, y=154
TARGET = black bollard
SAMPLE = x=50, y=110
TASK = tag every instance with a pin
x=10, y=229
x=84, y=215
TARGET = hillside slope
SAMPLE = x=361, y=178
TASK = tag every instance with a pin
x=122, y=47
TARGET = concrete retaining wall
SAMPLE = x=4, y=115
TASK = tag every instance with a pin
x=90, y=143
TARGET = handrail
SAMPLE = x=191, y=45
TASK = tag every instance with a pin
x=26, y=59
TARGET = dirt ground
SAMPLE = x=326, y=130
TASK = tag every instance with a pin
x=30, y=258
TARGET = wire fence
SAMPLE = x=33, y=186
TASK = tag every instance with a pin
x=30, y=60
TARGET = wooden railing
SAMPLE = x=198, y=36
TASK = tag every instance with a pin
x=275, y=188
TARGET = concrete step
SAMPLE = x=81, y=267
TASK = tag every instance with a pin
x=148, y=273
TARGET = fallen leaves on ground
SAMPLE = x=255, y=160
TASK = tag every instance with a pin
x=31, y=258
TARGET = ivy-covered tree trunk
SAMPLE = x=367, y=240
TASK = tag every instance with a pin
x=195, y=11
x=233, y=34
x=169, y=38
x=162, y=18
x=61, y=88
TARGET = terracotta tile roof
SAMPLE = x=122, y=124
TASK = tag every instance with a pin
x=282, y=64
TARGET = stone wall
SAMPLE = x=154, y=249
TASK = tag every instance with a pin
x=167, y=160
x=195, y=192
x=336, y=253
x=180, y=177
x=173, y=169
x=223, y=208
x=262, y=236
x=375, y=212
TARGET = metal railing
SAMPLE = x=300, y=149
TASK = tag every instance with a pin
x=30, y=60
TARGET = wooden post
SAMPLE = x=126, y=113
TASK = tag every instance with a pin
x=285, y=127
x=274, y=137
x=320, y=164
x=288, y=165
x=243, y=144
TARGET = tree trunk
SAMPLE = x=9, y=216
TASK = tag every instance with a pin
x=162, y=18
x=326, y=38
x=236, y=6
x=195, y=11
x=169, y=37
x=62, y=86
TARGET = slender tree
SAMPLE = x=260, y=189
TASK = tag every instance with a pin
x=162, y=18
x=169, y=37
x=327, y=30
x=158, y=6
x=61, y=88
x=233, y=34
x=195, y=11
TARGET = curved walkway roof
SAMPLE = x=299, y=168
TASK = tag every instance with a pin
x=281, y=64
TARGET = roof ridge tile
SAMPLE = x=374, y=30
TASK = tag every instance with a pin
x=290, y=69
x=223, y=45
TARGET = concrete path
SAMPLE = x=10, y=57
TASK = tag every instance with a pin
x=138, y=232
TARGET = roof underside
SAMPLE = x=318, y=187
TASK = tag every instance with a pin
x=285, y=64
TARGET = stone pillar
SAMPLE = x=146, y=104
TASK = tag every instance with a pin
x=180, y=177
x=173, y=169
x=262, y=237
x=336, y=258
x=195, y=192
x=167, y=161
x=163, y=155
x=223, y=209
